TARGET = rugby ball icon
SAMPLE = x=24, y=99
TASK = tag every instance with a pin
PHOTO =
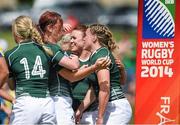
x=159, y=18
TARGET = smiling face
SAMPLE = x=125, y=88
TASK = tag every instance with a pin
x=77, y=41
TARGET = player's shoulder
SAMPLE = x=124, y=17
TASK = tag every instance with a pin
x=8, y=52
x=53, y=46
x=101, y=51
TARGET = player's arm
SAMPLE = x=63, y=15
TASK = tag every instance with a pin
x=79, y=74
x=104, y=93
x=88, y=100
x=58, y=57
x=4, y=108
x=71, y=63
x=4, y=94
x=120, y=65
x=122, y=71
x=103, y=77
x=4, y=72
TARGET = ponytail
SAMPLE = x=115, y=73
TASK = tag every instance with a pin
x=37, y=37
x=23, y=27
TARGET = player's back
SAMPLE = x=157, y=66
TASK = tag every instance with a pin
x=29, y=65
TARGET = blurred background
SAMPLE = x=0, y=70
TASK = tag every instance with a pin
x=119, y=15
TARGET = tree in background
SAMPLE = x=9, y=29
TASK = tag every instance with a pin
x=29, y=2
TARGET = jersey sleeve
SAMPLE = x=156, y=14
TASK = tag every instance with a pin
x=58, y=68
x=58, y=54
x=99, y=54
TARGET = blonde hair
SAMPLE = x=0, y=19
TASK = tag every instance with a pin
x=105, y=38
x=24, y=28
x=65, y=38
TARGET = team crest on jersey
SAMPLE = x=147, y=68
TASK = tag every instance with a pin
x=158, y=19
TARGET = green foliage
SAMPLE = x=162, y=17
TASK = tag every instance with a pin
x=28, y=2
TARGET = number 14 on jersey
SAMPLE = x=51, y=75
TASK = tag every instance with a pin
x=37, y=68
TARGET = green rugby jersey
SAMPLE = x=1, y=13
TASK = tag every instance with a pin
x=115, y=88
x=80, y=88
x=29, y=65
x=58, y=86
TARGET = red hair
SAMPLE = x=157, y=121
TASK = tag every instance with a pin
x=49, y=18
x=81, y=28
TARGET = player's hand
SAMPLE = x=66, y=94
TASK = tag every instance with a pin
x=119, y=63
x=7, y=111
x=99, y=121
x=67, y=28
x=102, y=63
x=78, y=115
x=14, y=101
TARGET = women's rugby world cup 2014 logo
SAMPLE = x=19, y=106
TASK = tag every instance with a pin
x=158, y=19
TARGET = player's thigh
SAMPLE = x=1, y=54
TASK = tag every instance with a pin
x=118, y=112
x=89, y=118
x=64, y=111
x=25, y=111
x=48, y=111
